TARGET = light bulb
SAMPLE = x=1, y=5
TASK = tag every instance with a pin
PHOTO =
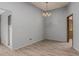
x=46, y=14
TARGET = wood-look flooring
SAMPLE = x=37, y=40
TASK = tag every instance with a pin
x=42, y=48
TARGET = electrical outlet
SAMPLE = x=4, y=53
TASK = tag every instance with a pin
x=30, y=39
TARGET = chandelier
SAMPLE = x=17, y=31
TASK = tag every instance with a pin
x=46, y=12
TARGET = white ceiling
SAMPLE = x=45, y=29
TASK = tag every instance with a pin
x=51, y=5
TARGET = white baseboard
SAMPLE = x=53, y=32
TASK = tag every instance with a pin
x=25, y=45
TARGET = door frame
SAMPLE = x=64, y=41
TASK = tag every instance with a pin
x=68, y=28
x=9, y=26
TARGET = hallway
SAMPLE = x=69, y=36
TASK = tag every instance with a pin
x=43, y=48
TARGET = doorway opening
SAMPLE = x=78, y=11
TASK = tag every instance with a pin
x=70, y=30
x=9, y=27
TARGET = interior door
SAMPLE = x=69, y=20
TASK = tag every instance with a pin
x=69, y=28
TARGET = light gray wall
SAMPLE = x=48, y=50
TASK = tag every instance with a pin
x=0, y=28
x=73, y=7
x=27, y=23
x=56, y=25
x=1, y=11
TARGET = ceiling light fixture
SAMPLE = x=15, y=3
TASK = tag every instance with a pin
x=46, y=12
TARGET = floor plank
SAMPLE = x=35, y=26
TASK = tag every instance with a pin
x=42, y=48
